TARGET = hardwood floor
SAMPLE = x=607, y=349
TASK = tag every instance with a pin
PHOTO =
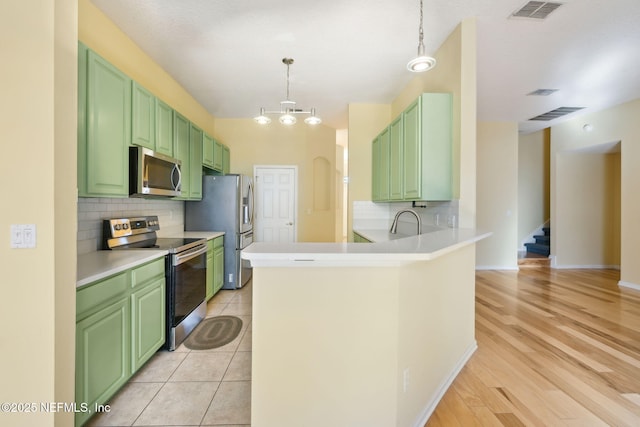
x=555, y=348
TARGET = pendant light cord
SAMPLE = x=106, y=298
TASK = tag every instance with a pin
x=420, y=32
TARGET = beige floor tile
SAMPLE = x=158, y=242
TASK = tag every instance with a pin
x=223, y=295
x=160, y=367
x=239, y=368
x=235, y=309
x=231, y=404
x=202, y=366
x=245, y=342
x=127, y=405
x=182, y=403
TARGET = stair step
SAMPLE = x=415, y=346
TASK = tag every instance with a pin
x=537, y=248
x=544, y=240
x=546, y=231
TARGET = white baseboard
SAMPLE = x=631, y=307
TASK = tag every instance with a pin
x=629, y=285
x=431, y=406
x=586, y=267
x=497, y=267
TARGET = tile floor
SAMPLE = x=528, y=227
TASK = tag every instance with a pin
x=192, y=387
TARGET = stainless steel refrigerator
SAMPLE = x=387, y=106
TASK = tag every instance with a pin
x=226, y=205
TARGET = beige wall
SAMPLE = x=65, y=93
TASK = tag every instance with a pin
x=533, y=182
x=587, y=227
x=253, y=144
x=497, y=193
x=38, y=121
x=617, y=124
x=454, y=73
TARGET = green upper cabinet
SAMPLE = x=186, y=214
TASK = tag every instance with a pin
x=217, y=156
x=207, y=151
x=164, y=128
x=396, y=144
x=380, y=167
x=143, y=119
x=226, y=160
x=181, y=150
x=375, y=169
x=104, y=127
x=195, y=176
x=419, y=159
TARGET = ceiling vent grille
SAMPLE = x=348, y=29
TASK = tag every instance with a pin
x=536, y=10
x=542, y=92
x=554, y=114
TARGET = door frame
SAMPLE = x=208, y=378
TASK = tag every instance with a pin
x=295, y=192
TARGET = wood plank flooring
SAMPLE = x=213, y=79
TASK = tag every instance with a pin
x=555, y=348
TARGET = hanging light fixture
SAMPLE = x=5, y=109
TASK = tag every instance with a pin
x=421, y=62
x=288, y=108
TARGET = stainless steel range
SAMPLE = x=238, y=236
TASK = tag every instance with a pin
x=185, y=270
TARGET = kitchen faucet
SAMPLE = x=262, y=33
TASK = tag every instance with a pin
x=394, y=225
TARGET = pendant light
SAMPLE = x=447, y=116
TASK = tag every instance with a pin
x=288, y=110
x=421, y=62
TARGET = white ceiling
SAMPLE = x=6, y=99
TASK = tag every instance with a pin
x=228, y=53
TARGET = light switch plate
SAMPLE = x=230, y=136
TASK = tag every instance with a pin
x=23, y=236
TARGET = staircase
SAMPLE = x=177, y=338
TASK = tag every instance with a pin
x=537, y=254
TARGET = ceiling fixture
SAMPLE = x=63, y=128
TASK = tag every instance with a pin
x=421, y=62
x=288, y=108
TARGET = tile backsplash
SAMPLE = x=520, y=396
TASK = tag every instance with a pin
x=91, y=212
x=370, y=215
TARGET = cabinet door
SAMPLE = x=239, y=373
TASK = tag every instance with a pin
x=102, y=355
x=210, y=272
x=226, y=159
x=437, y=178
x=383, y=167
x=181, y=150
x=412, y=155
x=217, y=156
x=108, y=120
x=208, y=151
x=143, y=122
x=395, y=159
x=148, y=322
x=218, y=268
x=196, y=135
x=164, y=128
x=375, y=169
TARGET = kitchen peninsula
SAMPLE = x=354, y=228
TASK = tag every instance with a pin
x=368, y=334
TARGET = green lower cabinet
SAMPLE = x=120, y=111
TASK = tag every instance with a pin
x=218, y=264
x=120, y=324
x=148, y=322
x=103, y=364
x=357, y=238
x=210, y=270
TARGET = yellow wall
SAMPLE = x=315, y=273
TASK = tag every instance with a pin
x=100, y=34
x=38, y=121
x=497, y=187
x=533, y=182
x=253, y=144
x=621, y=124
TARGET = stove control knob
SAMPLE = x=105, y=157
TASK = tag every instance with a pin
x=117, y=227
x=125, y=226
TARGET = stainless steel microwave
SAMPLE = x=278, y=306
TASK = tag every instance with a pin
x=153, y=174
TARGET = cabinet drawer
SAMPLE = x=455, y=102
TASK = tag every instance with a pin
x=141, y=275
x=218, y=242
x=98, y=293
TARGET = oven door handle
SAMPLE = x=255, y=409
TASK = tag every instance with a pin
x=189, y=255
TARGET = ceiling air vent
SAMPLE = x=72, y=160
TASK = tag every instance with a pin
x=542, y=92
x=554, y=114
x=536, y=10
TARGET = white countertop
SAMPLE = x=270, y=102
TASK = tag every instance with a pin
x=384, y=252
x=98, y=265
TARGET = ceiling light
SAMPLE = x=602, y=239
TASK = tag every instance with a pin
x=421, y=62
x=288, y=108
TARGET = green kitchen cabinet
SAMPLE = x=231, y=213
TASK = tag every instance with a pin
x=215, y=266
x=143, y=117
x=217, y=156
x=357, y=238
x=120, y=324
x=395, y=159
x=181, y=151
x=226, y=160
x=195, y=172
x=164, y=128
x=380, y=166
x=412, y=158
x=218, y=263
x=208, y=150
x=104, y=127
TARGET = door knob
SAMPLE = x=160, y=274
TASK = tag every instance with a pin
x=289, y=223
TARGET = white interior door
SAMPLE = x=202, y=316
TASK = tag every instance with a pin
x=275, y=212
